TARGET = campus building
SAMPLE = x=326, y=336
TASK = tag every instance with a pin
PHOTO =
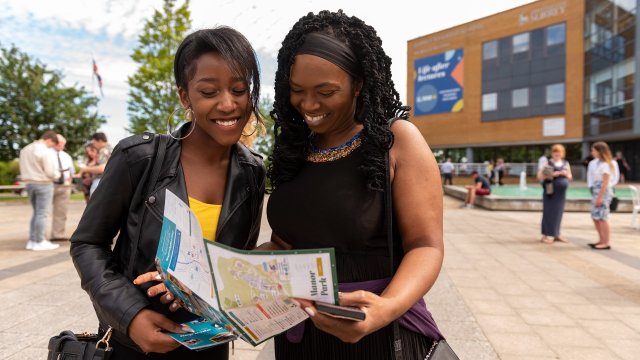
x=511, y=84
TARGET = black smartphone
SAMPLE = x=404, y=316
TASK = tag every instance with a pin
x=342, y=312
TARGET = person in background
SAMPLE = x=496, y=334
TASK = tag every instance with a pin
x=480, y=187
x=61, y=190
x=90, y=159
x=464, y=167
x=543, y=159
x=623, y=166
x=557, y=174
x=38, y=171
x=447, y=172
x=99, y=140
x=601, y=176
x=488, y=169
x=499, y=171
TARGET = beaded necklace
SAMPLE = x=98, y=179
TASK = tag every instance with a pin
x=317, y=155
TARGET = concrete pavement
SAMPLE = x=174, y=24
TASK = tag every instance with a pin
x=501, y=294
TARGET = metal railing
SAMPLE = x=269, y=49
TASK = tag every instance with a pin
x=510, y=169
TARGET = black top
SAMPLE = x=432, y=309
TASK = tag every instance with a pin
x=328, y=205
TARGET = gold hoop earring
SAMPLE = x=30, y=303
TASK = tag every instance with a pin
x=189, y=116
x=255, y=128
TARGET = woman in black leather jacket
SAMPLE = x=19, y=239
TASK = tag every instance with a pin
x=218, y=83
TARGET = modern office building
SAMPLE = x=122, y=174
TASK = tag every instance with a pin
x=511, y=84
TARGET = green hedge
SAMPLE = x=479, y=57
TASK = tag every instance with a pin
x=8, y=171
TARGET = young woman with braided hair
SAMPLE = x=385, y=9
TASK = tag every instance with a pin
x=333, y=101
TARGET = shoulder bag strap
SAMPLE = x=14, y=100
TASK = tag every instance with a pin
x=153, y=179
x=388, y=210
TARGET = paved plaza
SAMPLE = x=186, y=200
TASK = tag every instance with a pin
x=501, y=293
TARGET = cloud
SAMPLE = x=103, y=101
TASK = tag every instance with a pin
x=67, y=34
x=113, y=17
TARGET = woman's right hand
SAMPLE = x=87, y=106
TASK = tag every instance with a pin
x=599, y=201
x=146, y=330
x=158, y=289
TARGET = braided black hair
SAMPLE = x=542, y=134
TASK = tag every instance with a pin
x=377, y=104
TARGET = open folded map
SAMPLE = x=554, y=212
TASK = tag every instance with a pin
x=245, y=293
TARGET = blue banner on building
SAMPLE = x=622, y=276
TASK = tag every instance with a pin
x=439, y=83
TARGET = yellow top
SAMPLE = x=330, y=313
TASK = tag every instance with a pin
x=207, y=215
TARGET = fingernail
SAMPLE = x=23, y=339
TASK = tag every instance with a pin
x=310, y=311
x=169, y=297
x=149, y=292
x=339, y=294
x=173, y=306
x=158, y=277
x=187, y=329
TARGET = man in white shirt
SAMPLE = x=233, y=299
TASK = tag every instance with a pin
x=543, y=160
x=61, y=190
x=38, y=171
x=447, y=172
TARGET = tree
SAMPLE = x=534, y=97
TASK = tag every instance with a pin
x=153, y=94
x=265, y=139
x=33, y=99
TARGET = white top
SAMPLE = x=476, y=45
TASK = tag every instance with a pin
x=36, y=163
x=66, y=166
x=559, y=163
x=597, y=169
x=447, y=168
x=542, y=161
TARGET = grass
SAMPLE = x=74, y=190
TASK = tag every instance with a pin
x=9, y=197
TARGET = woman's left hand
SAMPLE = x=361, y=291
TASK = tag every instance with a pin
x=376, y=308
x=158, y=289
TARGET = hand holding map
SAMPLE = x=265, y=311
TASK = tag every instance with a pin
x=246, y=293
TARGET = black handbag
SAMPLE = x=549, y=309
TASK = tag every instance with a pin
x=440, y=350
x=613, y=206
x=83, y=346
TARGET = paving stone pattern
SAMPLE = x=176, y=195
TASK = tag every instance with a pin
x=501, y=294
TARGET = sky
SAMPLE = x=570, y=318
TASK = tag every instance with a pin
x=67, y=34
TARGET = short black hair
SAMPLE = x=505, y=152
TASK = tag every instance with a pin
x=234, y=49
x=377, y=104
x=99, y=136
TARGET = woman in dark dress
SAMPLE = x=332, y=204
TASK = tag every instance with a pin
x=555, y=175
x=333, y=102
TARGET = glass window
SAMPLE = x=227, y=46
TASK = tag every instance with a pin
x=490, y=50
x=520, y=97
x=490, y=102
x=555, y=34
x=555, y=93
x=521, y=43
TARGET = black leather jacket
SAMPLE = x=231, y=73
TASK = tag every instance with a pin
x=116, y=208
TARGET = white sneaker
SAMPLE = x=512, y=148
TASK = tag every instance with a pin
x=29, y=245
x=44, y=245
